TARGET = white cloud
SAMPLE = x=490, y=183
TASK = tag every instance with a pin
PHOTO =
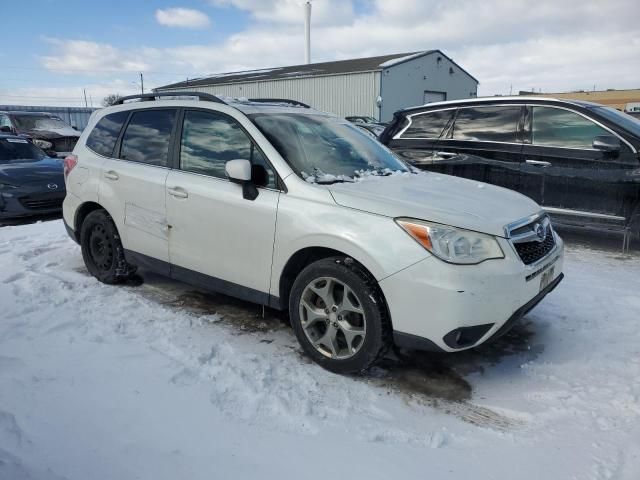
x=182, y=17
x=324, y=12
x=553, y=46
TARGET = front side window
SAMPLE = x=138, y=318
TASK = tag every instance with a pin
x=556, y=127
x=325, y=149
x=429, y=125
x=104, y=135
x=210, y=140
x=487, y=124
x=5, y=122
x=146, y=139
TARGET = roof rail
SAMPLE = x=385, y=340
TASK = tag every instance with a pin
x=279, y=100
x=149, y=97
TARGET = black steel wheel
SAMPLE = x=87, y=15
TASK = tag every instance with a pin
x=102, y=249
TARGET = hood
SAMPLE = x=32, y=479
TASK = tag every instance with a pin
x=437, y=198
x=52, y=134
x=22, y=172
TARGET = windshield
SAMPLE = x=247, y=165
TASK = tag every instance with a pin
x=326, y=149
x=627, y=122
x=34, y=122
x=19, y=149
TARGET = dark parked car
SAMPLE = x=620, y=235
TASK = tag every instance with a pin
x=579, y=160
x=47, y=131
x=31, y=183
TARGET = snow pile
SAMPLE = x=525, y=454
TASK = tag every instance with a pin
x=110, y=382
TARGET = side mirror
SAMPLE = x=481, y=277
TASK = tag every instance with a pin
x=239, y=171
x=607, y=143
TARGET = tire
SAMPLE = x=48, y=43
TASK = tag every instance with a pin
x=102, y=249
x=354, y=335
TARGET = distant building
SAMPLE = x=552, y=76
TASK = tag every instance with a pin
x=613, y=98
x=374, y=86
x=74, y=116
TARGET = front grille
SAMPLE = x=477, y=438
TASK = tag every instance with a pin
x=43, y=202
x=65, y=144
x=532, y=251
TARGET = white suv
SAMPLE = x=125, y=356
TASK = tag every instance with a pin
x=279, y=204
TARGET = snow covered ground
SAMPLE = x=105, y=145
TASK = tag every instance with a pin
x=160, y=381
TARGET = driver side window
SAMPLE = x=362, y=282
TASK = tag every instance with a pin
x=555, y=127
x=210, y=140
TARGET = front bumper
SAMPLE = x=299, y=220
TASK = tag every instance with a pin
x=443, y=307
x=28, y=201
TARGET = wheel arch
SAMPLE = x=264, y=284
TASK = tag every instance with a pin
x=81, y=213
x=303, y=257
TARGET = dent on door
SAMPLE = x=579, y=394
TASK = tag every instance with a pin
x=148, y=221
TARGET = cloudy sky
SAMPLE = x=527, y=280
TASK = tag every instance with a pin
x=53, y=49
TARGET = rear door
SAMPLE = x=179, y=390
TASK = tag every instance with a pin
x=218, y=239
x=484, y=144
x=577, y=177
x=133, y=185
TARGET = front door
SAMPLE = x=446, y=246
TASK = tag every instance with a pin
x=577, y=177
x=133, y=186
x=218, y=239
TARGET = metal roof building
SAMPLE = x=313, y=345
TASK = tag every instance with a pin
x=373, y=86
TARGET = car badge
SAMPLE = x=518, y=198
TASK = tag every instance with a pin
x=540, y=231
x=52, y=186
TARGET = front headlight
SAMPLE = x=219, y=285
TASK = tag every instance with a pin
x=6, y=186
x=43, y=144
x=451, y=244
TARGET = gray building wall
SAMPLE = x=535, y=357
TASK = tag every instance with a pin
x=342, y=95
x=404, y=85
x=75, y=116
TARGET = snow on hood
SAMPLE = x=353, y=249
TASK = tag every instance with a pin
x=438, y=198
x=49, y=133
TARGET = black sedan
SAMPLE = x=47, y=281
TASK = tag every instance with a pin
x=31, y=183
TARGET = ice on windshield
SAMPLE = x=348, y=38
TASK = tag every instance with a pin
x=33, y=122
x=326, y=148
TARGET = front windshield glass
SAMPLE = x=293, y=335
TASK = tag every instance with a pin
x=34, y=122
x=627, y=122
x=326, y=149
x=19, y=149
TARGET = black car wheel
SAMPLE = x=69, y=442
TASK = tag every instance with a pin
x=102, y=249
x=339, y=315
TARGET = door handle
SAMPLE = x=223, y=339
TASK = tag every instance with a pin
x=177, y=192
x=446, y=154
x=538, y=163
x=111, y=175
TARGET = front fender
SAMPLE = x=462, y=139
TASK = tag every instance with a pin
x=375, y=241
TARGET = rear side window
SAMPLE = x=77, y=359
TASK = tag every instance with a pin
x=487, y=124
x=428, y=125
x=104, y=135
x=146, y=139
x=556, y=127
x=210, y=140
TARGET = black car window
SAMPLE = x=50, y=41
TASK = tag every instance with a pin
x=428, y=125
x=104, y=135
x=556, y=127
x=210, y=140
x=146, y=139
x=487, y=124
x=5, y=122
x=19, y=149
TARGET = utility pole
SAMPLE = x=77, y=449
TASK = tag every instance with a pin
x=85, y=96
x=307, y=32
x=141, y=83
